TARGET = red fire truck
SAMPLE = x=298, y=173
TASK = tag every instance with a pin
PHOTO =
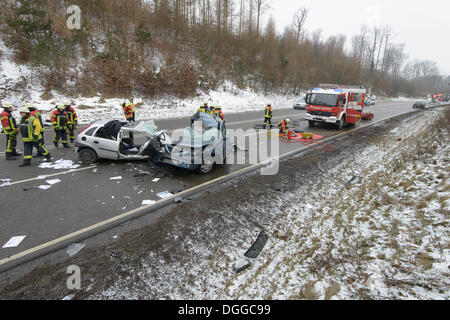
x=438, y=97
x=336, y=104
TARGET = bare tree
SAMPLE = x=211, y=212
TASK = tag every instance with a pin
x=388, y=35
x=261, y=7
x=299, y=21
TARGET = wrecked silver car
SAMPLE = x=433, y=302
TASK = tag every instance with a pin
x=198, y=147
x=114, y=140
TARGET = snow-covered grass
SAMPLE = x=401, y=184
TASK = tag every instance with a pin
x=386, y=238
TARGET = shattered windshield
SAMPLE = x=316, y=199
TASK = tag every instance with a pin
x=322, y=99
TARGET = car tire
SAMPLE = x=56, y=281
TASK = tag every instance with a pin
x=205, y=168
x=311, y=123
x=87, y=156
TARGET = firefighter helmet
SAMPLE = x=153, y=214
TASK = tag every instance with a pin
x=60, y=107
x=7, y=104
x=29, y=106
x=24, y=110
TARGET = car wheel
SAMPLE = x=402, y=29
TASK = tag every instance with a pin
x=87, y=156
x=311, y=123
x=206, y=168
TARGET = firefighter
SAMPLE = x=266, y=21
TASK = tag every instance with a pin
x=59, y=120
x=284, y=126
x=219, y=113
x=11, y=131
x=72, y=120
x=133, y=109
x=128, y=111
x=204, y=108
x=30, y=129
x=35, y=113
x=268, y=113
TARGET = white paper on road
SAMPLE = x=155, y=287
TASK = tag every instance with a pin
x=41, y=177
x=59, y=165
x=14, y=242
x=5, y=180
x=5, y=184
x=156, y=179
x=164, y=194
x=115, y=178
x=44, y=187
x=54, y=181
x=147, y=202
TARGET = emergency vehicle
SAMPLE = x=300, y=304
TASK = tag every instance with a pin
x=336, y=104
x=438, y=97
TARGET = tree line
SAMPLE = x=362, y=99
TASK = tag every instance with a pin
x=178, y=46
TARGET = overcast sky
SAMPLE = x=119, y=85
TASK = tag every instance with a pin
x=423, y=26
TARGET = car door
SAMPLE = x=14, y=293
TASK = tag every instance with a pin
x=106, y=148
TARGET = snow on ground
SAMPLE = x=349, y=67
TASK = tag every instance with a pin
x=384, y=238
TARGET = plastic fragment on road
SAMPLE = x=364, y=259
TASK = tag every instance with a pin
x=241, y=265
x=348, y=183
x=257, y=247
x=148, y=202
x=69, y=297
x=115, y=178
x=44, y=187
x=178, y=200
x=156, y=179
x=5, y=184
x=74, y=248
x=14, y=242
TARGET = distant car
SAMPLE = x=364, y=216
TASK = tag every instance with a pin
x=370, y=102
x=300, y=105
x=111, y=140
x=419, y=105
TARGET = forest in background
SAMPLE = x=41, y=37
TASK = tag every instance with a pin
x=175, y=47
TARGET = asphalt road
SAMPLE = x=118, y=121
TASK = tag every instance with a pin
x=86, y=195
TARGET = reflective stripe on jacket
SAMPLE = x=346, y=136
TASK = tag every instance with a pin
x=71, y=115
x=29, y=128
x=59, y=119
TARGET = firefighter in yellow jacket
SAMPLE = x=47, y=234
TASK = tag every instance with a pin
x=11, y=131
x=30, y=129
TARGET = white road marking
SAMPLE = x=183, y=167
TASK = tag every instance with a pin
x=54, y=175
